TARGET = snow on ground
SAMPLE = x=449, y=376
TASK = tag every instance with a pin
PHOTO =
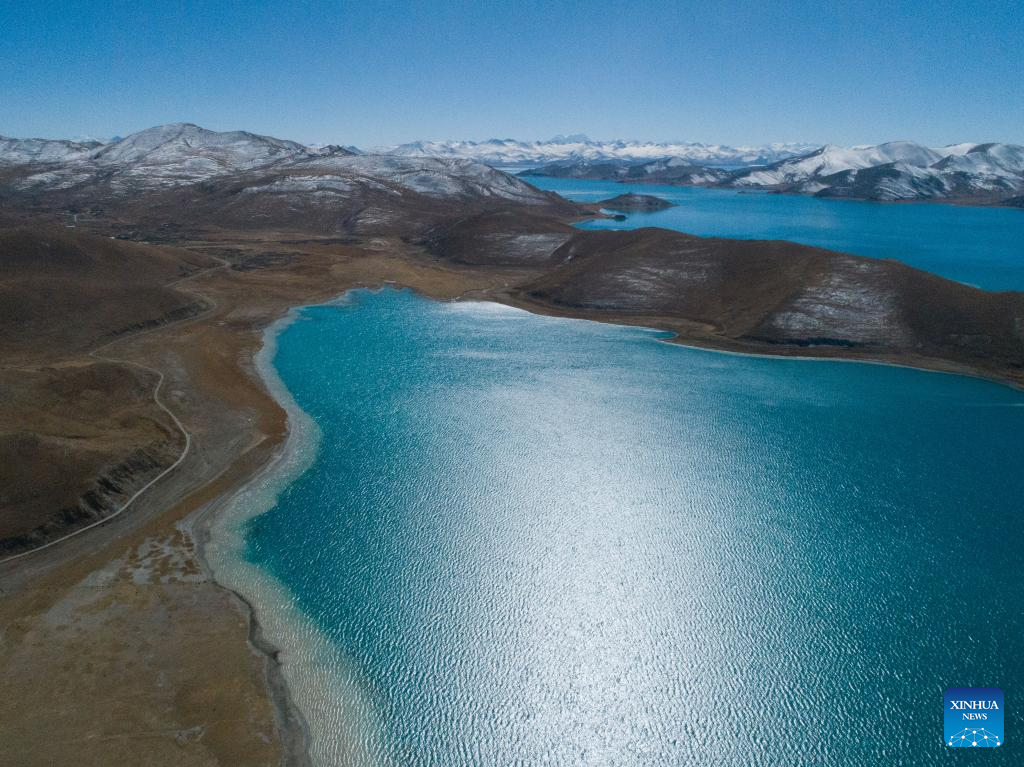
x=180, y=154
x=835, y=159
x=15, y=151
x=512, y=152
x=845, y=305
x=904, y=171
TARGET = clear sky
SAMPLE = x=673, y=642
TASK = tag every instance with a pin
x=370, y=73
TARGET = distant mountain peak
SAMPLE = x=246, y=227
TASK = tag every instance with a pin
x=572, y=138
x=263, y=177
x=183, y=153
x=510, y=152
x=896, y=170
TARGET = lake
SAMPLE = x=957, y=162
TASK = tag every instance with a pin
x=980, y=246
x=509, y=539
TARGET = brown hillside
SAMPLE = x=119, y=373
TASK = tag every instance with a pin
x=62, y=291
x=779, y=295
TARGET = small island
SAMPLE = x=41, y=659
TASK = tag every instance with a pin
x=636, y=203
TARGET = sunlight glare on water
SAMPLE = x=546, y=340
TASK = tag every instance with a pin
x=535, y=540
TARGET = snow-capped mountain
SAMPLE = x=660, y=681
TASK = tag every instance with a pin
x=184, y=175
x=509, y=152
x=430, y=176
x=169, y=155
x=167, y=144
x=986, y=159
x=674, y=171
x=831, y=159
x=899, y=170
x=23, y=151
x=181, y=155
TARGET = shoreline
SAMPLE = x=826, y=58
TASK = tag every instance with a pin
x=959, y=202
x=247, y=426
x=295, y=454
x=186, y=659
x=292, y=725
x=720, y=345
x=218, y=530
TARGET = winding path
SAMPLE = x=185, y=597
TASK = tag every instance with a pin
x=159, y=402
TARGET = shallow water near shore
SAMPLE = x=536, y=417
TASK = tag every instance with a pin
x=976, y=245
x=523, y=539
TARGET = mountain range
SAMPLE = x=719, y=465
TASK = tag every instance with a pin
x=243, y=171
x=509, y=152
x=166, y=155
x=195, y=177
x=898, y=170
x=276, y=223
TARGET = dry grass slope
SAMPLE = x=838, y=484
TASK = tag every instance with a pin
x=78, y=434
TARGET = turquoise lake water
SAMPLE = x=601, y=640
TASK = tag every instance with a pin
x=979, y=246
x=537, y=541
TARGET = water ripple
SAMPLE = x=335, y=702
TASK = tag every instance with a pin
x=534, y=541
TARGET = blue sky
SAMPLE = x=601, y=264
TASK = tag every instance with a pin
x=372, y=73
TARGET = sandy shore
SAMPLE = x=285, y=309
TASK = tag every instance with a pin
x=224, y=561
x=304, y=664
